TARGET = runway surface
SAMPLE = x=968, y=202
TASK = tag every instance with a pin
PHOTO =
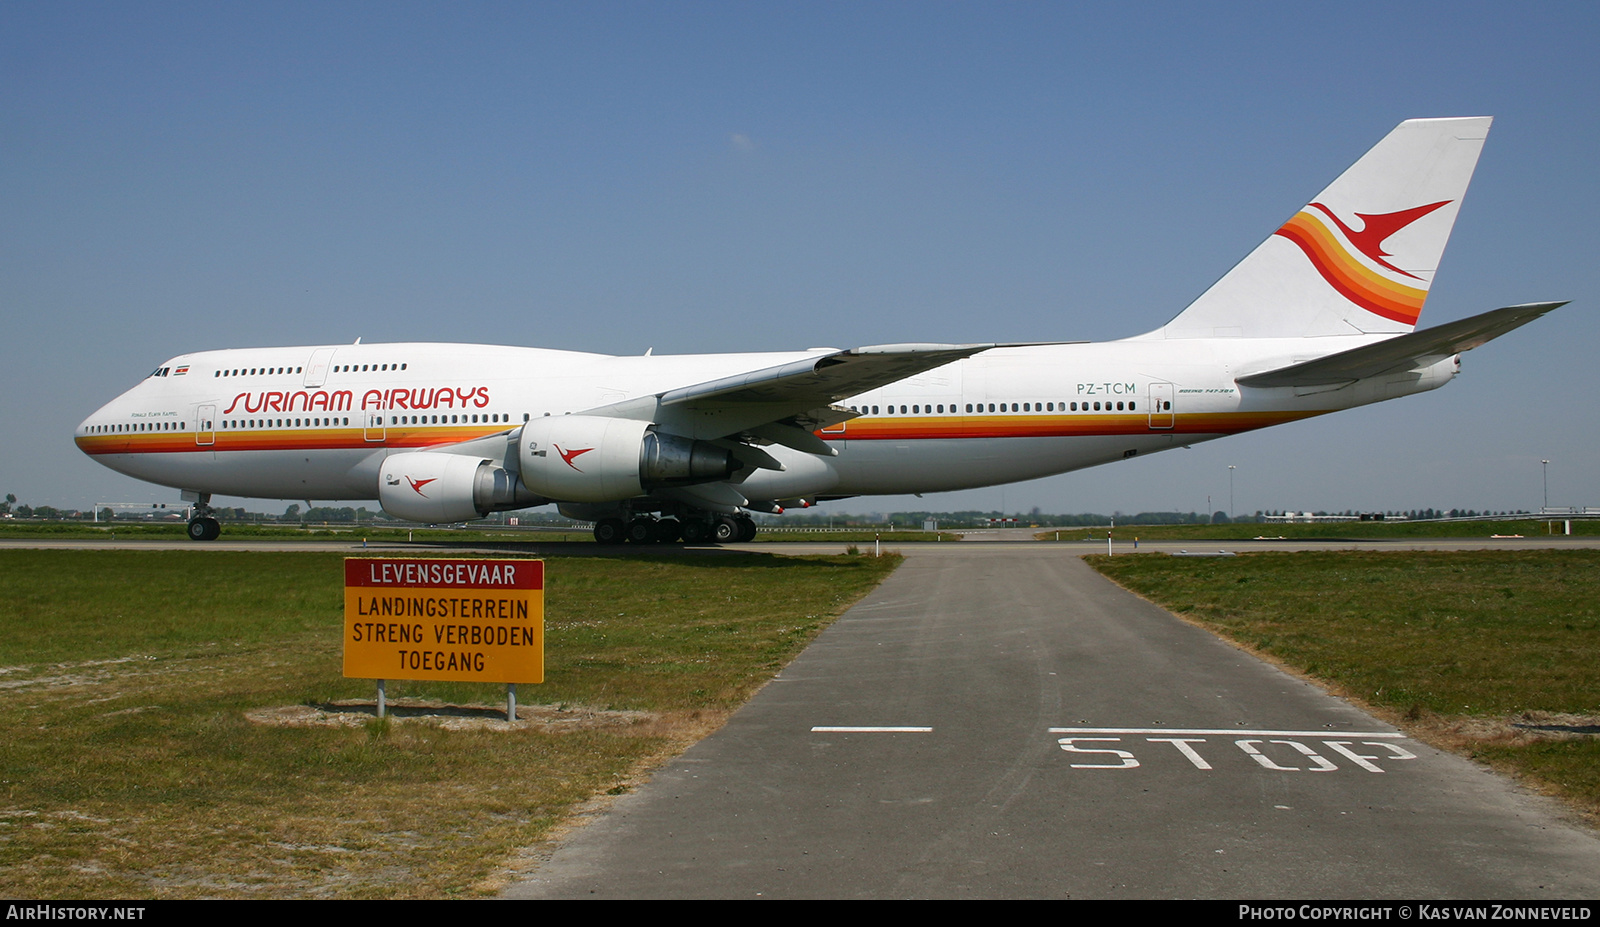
x=1016, y=726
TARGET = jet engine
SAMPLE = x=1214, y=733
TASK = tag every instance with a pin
x=588, y=458
x=431, y=487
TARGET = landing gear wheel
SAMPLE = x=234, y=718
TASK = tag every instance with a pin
x=608, y=531
x=747, y=530
x=204, y=529
x=642, y=530
x=726, y=530
x=695, y=531
x=668, y=531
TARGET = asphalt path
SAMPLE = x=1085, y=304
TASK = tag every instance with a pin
x=1008, y=726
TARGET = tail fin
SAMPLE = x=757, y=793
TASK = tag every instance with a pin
x=1360, y=257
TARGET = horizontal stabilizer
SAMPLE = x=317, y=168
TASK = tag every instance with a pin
x=1403, y=352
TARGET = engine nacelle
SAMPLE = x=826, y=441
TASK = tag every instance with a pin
x=588, y=458
x=432, y=487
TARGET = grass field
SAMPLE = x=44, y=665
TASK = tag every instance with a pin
x=1493, y=653
x=134, y=761
x=1337, y=530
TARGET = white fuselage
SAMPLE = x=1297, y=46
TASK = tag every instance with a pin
x=1320, y=316
x=317, y=422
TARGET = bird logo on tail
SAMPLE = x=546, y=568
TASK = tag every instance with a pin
x=1362, y=285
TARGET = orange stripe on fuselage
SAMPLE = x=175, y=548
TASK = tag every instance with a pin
x=306, y=439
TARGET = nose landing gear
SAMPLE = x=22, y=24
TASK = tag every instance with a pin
x=204, y=529
x=203, y=526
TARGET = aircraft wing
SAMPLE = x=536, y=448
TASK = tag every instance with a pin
x=828, y=378
x=1404, y=352
x=786, y=403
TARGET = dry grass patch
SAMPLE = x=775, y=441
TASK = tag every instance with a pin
x=175, y=724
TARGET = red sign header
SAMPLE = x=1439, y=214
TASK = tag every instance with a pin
x=452, y=574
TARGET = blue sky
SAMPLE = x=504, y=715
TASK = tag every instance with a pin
x=727, y=177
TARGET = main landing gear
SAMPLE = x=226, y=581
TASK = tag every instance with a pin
x=691, y=529
x=735, y=529
x=203, y=526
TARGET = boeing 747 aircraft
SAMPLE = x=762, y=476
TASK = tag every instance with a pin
x=1319, y=317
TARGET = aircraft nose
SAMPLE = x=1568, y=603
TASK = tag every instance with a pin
x=90, y=431
x=85, y=430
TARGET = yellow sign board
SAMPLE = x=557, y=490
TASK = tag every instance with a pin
x=452, y=620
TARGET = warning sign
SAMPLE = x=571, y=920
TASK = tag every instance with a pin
x=454, y=620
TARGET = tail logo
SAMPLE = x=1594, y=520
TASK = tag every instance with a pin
x=1375, y=230
x=1331, y=256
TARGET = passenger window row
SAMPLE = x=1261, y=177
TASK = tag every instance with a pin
x=249, y=423
x=973, y=408
x=491, y=418
x=329, y=422
x=256, y=371
x=274, y=371
x=478, y=419
x=135, y=427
